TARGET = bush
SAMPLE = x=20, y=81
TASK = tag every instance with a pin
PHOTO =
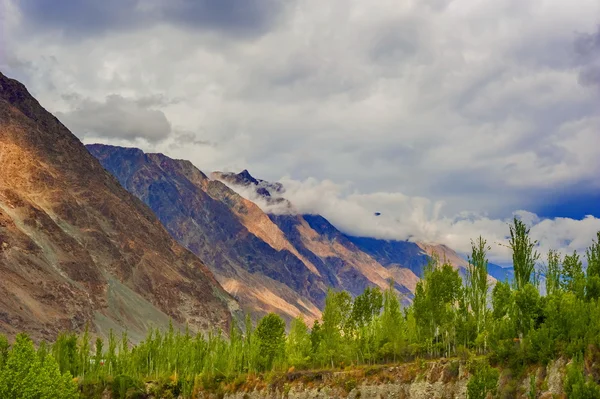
x=463, y=353
x=576, y=386
x=484, y=380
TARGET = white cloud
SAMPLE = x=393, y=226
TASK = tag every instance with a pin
x=420, y=219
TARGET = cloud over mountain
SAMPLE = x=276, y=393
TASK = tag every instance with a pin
x=420, y=219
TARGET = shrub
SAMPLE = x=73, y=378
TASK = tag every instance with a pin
x=484, y=380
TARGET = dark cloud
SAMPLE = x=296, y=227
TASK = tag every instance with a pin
x=588, y=44
x=590, y=76
x=587, y=47
x=116, y=117
x=237, y=16
x=76, y=18
x=82, y=17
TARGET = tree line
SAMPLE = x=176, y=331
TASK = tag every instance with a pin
x=512, y=324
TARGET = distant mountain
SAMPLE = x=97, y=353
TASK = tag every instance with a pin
x=249, y=255
x=280, y=263
x=398, y=257
x=76, y=248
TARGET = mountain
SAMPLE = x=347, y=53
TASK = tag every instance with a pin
x=76, y=248
x=247, y=252
x=282, y=262
x=399, y=257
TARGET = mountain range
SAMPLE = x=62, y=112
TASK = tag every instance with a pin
x=77, y=249
x=115, y=238
x=270, y=262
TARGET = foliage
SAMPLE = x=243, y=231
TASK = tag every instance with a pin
x=484, y=380
x=576, y=386
x=25, y=374
x=270, y=334
x=524, y=254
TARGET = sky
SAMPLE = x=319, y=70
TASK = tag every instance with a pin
x=447, y=116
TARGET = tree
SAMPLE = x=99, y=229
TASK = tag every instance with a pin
x=501, y=300
x=366, y=306
x=20, y=367
x=392, y=325
x=523, y=253
x=553, y=273
x=298, y=346
x=3, y=351
x=483, y=381
x=336, y=316
x=593, y=269
x=573, y=280
x=434, y=303
x=476, y=281
x=316, y=336
x=527, y=301
x=270, y=334
x=84, y=352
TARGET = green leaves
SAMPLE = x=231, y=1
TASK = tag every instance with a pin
x=523, y=253
x=26, y=375
x=483, y=381
x=270, y=334
x=298, y=345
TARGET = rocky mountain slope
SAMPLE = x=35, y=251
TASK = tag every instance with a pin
x=247, y=252
x=269, y=262
x=77, y=248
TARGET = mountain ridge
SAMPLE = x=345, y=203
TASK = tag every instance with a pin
x=320, y=255
x=77, y=249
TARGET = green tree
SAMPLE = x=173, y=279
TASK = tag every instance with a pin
x=298, y=346
x=477, y=281
x=483, y=381
x=435, y=301
x=4, y=346
x=524, y=254
x=501, y=300
x=336, y=316
x=527, y=301
x=553, y=273
x=593, y=269
x=270, y=334
x=366, y=306
x=84, y=352
x=573, y=280
x=392, y=325
x=20, y=368
x=316, y=336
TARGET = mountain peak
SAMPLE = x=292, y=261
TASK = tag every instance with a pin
x=247, y=177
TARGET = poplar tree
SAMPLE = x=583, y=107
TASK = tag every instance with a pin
x=298, y=345
x=593, y=269
x=477, y=281
x=524, y=255
x=553, y=273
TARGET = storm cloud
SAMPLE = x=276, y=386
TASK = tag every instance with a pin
x=87, y=18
